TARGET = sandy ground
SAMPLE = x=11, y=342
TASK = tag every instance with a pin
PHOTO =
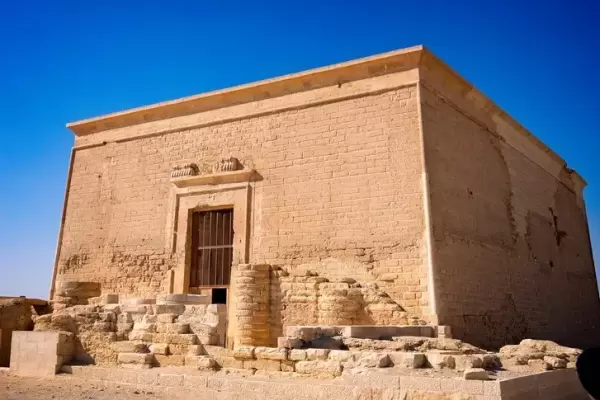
x=66, y=388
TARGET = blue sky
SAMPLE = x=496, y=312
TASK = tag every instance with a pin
x=67, y=60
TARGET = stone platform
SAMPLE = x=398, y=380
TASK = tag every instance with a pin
x=558, y=385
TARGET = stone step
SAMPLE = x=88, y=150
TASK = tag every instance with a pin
x=135, y=360
x=130, y=347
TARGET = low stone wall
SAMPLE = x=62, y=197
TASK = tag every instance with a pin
x=15, y=315
x=557, y=385
x=40, y=354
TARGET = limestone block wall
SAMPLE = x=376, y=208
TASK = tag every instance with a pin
x=303, y=297
x=510, y=250
x=340, y=188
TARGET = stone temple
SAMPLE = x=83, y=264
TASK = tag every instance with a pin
x=382, y=191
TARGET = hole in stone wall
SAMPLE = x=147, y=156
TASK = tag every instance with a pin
x=219, y=296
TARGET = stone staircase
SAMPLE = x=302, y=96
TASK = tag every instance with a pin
x=170, y=330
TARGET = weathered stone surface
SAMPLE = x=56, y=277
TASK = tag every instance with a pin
x=141, y=336
x=270, y=353
x=478, y=374
x=200, y=362
x=317, y=354
x=319, y=369
x=142, y=360
x=289, y=343
x=372, y=360
x=95, y=347
x=464, y=362
x=555, y=362
x=244, y=353
x=179, y=349
x=171, y=338
x=297, y=355
x=408, y=359
x=177, y=309
x=177, y=328
x=171, y=360
x=539, y=365
x=166, y=318
x=195, y=350
x=130, y=347
x=144, y=327
x=77, y=289
x=263, y=365
x=55, y=322
x=159, y=348
x=440, y=360
x=341, y=355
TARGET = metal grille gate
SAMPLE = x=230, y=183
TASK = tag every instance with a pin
x=212, y=248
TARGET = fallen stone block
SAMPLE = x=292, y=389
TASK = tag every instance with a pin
x=491, y=361
x=463, y=362
x=135, y=360
x=478, y=374
x=555, y=362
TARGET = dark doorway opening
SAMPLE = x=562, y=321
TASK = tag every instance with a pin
x=219, y=296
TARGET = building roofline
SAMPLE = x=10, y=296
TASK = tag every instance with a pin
x=380, y=64
x=392, y=61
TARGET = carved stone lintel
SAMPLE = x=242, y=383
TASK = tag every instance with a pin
x=184, y=170
x=227, y=164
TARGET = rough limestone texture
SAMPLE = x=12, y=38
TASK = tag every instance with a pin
x=418, y=184
x=252, y=305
